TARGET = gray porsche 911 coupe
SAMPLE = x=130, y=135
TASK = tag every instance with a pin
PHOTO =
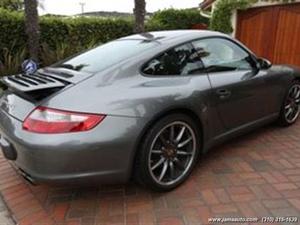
x=144, y=106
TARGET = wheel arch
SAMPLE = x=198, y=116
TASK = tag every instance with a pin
x=180, y=110
x=297, y=79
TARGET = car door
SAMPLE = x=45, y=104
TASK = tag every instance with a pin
x=238, y=88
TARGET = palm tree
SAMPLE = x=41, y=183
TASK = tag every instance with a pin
x=140, y=13
x=32, y=28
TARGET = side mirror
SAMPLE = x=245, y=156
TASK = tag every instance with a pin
x=264, y=63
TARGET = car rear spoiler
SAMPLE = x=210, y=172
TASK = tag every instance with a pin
x=43, y=83
x=35, y=87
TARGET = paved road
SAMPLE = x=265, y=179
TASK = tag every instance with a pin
x=4, y=215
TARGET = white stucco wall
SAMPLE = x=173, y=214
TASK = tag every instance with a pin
x=234, y=22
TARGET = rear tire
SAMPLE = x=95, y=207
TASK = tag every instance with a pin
x=290, y=109
x=168, y=153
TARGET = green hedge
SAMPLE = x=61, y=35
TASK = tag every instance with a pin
x=12, y=30
x=60, y=37
x=171, y=19
x=82, y=31
x=74, y=31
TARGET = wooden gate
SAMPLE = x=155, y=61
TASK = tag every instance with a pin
x=272, y=32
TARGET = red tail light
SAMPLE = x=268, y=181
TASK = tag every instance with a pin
x=51, y=121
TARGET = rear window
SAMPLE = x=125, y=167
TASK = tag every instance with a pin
x=106, y=55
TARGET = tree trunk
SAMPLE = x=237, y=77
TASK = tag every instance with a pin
x=32, y=28
x=140, y=13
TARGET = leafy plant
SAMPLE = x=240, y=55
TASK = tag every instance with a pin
x=61, y=51
x=12, y=60
x=170, y=19
x=13, y=31
x=14, y=5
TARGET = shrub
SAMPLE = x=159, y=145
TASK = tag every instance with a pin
x=12, y=34
x=85, y=30
x=171, y=19
x=61, y=51
x=11, y=62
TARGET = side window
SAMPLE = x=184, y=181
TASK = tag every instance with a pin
x=219, y=55
x=177, y=61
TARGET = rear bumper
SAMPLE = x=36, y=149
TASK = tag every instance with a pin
x=8, y=149
x=103, y=155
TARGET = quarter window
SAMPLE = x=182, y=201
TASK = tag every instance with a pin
x=180, y=60
x=220, y=55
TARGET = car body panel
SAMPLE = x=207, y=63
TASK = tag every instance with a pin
x=248, y=90
x=9, y=103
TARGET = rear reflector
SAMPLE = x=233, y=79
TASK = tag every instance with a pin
x=53, y=121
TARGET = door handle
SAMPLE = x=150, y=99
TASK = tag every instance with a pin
x=223, y=93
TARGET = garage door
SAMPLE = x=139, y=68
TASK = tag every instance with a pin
x=272, y=32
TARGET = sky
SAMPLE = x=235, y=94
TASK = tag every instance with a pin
x=71, y=7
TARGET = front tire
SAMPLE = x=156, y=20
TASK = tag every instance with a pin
x=168, y=153
x=290, y=109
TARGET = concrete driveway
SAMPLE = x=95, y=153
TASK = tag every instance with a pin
x=255, y=176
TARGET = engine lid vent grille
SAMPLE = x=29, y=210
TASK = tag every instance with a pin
x=28, y=83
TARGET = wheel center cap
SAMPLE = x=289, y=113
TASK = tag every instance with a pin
x=170, y=152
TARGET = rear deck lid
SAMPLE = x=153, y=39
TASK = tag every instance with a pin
x=24, y=92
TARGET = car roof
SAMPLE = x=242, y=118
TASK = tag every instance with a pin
x=179, y=35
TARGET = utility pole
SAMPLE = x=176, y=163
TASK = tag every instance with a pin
x=82, y=4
